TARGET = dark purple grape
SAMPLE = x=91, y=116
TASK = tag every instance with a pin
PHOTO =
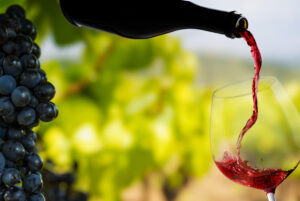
x=3, y=132
x=13, y=150
x=37, y=197
x=21, y=96
x=15, y=133
x=30, y=61
x=28, y=143
x=31, y=134
x=10, y=118
x=44, y=91
x=34, y=162
x=11, y=176
x=47, y=111
x=3, y=18
x=28, y=28
x=2, y=162
x=10, y=164
x=9, y=47
x=32, y=183
x=12, y=23
x=15, y=193
x=30, y=78
x=3, y=34
x=1, y=70
x=2, y=192
x=26, y=116
x=12, y=65
x=7, y=84
x=34, y=124
x=33, y=102
x=43, y=76
x=36, y=50
x=15, y=11
x=24, y=44
x=6, y=106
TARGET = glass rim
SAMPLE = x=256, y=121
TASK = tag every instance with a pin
x=262, y=78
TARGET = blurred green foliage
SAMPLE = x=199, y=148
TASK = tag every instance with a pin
x=128, y=108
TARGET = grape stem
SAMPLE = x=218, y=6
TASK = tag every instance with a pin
x=271, y=196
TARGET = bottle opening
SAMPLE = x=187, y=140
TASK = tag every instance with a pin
x=241, y=24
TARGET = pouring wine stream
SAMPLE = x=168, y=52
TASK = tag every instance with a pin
x=237, y=169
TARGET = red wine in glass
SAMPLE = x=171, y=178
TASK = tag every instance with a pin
x=237, y=169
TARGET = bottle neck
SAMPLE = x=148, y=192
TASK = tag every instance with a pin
x=146, y=19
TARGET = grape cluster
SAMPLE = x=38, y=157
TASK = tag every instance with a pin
x=59, y=187
x=25, y=96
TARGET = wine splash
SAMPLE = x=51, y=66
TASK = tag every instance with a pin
x=237, y=169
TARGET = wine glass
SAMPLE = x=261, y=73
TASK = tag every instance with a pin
x=270, y=149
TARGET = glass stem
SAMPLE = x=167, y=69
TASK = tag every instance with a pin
x=271, y=196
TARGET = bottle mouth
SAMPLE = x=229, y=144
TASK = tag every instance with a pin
x=242, y=23
x=235, y=22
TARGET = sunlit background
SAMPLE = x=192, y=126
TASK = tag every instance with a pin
x=135, y=114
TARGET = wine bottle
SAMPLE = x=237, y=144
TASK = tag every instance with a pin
x=149, y=18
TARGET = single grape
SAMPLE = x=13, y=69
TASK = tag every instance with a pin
x=13, y=150
x=44, y=91
x=9, y=47
x=3, y=18
x=7, y=84
x=10, y=118
x=37, y=197
x=28, y=28
x=12, y=65
x=10, y=164
x=24, y=44
x=21, y=96
x=32, y=183
x=3, y=34
x=11, y=176
x=12, y=23
x=3, y=131
x=34, y=162
x=1, y=70
x=47, y=111
x=30, y=61
x=30, y=78
x=2, y=162
x=26, y=116
x=33, y=102
x=34, y=124
x=2, y=192
x=6, y=106
x=36, y=50
x=15, y=133
x=1, y=143
x=28, y=143
x=43, y=76
x=31, y=134
x=15, y=11
x=15, y=193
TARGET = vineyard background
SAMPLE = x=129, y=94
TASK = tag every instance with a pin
x=135, y=114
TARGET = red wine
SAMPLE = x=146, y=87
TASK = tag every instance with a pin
x=237, y=169
x=257, y=66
